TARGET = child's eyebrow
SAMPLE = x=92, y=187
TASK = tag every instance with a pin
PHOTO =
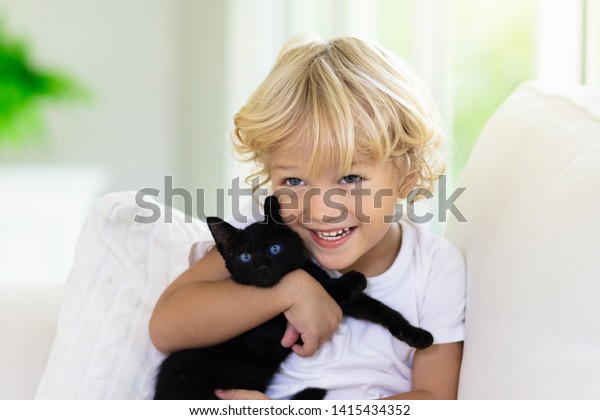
x=358, y=164
x=283, y=167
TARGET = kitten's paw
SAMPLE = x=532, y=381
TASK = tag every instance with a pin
x=349, y=288
x=415, y=337
x=355, y=281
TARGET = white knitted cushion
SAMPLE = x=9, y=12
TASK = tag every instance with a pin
x=102, y=349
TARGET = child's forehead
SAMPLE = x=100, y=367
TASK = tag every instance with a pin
x=301, y=159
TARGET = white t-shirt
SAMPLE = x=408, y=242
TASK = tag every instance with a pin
x=426, y=284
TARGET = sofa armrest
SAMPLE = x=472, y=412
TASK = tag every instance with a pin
x=28, y=318
x=531, y=248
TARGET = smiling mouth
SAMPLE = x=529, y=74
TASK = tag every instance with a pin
x=333, y=235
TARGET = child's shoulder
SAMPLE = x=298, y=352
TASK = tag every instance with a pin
x=428, y=246
x=440, y=275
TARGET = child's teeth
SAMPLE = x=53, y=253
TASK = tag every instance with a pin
x=332, y=234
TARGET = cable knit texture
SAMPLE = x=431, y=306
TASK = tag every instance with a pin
x=102, y=349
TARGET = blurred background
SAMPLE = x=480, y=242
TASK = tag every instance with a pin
x=108, y=95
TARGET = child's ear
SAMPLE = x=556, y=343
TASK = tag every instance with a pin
x=408, y=184
x=223, y=232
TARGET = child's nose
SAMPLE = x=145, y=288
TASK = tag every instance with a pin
x=328, y=206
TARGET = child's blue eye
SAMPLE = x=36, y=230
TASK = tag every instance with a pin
x=275, y=249
x=245, y=257
x=293, y=182
x=351, y=179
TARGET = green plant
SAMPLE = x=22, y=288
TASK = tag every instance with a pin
x=25, y=88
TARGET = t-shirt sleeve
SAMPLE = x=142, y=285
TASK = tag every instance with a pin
x=442, y=310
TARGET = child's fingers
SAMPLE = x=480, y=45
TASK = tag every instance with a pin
x=307, y=349
x=290, y=336
x=300, y=350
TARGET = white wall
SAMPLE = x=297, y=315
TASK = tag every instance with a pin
x=203, y=153
x=130, y=136
x=126, y=52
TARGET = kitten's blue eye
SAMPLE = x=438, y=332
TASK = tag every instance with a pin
x=351, y=179
x=275, y=249
x=245, y=257
x=293, y=182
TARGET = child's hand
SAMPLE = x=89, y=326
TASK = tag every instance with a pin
x=240, y=394
x=311, y=312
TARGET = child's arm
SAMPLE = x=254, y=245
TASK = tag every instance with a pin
x=435, y=373
x=203, y=307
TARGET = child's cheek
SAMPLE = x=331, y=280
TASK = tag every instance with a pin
x=290, y=203
x=289, y=217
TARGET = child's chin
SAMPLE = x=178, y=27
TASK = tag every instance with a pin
x=333, y=264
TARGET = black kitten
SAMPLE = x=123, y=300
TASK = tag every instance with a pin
x=260, y=255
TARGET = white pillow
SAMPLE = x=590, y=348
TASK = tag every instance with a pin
x=102, y=348
x=532, y=203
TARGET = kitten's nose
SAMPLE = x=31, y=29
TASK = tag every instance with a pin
x=263, y=269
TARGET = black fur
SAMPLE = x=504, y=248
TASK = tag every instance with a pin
x=260, y=255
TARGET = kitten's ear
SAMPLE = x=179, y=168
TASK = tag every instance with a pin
x=272, y=210
x=223, y=232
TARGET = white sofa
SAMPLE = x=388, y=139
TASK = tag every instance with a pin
x=531, y=244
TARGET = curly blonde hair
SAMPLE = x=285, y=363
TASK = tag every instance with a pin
x=340, y=99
